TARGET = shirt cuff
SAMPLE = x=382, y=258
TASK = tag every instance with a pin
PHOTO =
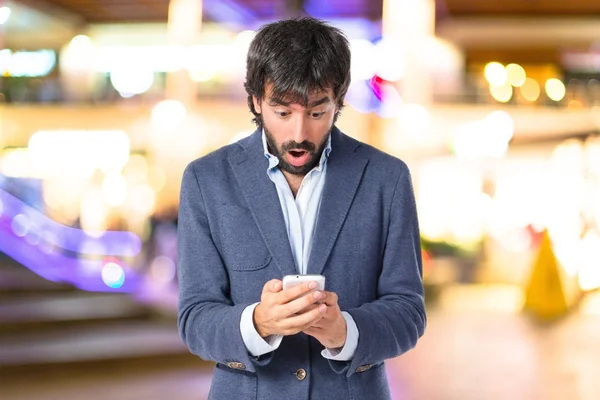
x=347, y=352
x=255, y=344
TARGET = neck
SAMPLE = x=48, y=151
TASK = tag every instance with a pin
x=294, y=181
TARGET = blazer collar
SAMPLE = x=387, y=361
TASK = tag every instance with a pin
x=345, y=167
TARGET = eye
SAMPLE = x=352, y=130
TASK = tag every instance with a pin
x=317, y=115
x=282, y=114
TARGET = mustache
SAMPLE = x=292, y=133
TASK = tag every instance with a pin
x=292, y=145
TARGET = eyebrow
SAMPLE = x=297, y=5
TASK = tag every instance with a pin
x=323, y=100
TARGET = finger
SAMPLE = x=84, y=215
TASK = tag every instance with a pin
x=301, y=304
x=273, y=286
x=304, y=320
x=294, y=292
x=331, y=298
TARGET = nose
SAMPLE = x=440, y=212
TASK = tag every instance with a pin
x=300, y=129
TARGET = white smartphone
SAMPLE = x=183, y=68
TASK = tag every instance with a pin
x=294, y=280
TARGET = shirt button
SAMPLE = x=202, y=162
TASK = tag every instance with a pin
x=301, y=374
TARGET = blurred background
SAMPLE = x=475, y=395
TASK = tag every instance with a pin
x=494, y=105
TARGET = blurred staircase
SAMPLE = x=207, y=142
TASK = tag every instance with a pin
x=45, y=325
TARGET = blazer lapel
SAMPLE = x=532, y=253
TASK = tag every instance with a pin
x=344, y=172
x=250, y=169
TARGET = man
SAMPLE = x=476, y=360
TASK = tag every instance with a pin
x=299, y=197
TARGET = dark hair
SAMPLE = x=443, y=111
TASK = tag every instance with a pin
x=297, y=56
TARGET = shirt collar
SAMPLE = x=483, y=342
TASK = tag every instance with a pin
x=274, y=161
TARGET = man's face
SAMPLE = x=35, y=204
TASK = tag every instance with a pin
x=295, y=134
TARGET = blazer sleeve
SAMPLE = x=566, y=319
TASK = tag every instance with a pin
x=392, y=324
x=208, y=321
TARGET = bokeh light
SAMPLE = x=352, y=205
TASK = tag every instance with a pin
x=495, y=73
x=502, y=93
x=530, y=89
x=515, y=75
x=114, y=190
x=4, y=14
x=130, y=80
x=113, y=275
x=555, y=89
x=20, y=225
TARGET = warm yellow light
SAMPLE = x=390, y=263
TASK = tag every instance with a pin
x=555, y=89
x=495, y=73
x=501, y=93
x=515, y=74
x=93, y=212
x=15, y=163
x=63, y=154
x=530, y=89
x=114, y=190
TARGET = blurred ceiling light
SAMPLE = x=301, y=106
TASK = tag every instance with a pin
x=530, y=89
x=555, y=89
x=495, y=73
x=4, y=14
x=78, y=57
x=363, y=54
x=114, y=190
x=129, y=80
x=502, y=93
x=80, y=41
x=168, y=114
x=72, y=153
x=27, y=63
x=515, y=74
x=389, y=59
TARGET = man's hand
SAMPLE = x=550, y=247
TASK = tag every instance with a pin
x=330, y=330
x=277, y=313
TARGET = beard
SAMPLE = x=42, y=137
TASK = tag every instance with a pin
x=313, y=150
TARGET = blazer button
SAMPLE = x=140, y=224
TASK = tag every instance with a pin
x=236, y=365
x=301, y=374
x=364, y=368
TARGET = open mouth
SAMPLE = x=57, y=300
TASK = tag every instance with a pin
x=298, y=157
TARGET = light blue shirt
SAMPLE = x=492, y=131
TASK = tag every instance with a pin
x=300, y=215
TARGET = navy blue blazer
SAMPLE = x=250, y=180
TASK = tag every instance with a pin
x=232, y=240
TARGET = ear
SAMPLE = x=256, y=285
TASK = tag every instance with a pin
x=256, y=104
